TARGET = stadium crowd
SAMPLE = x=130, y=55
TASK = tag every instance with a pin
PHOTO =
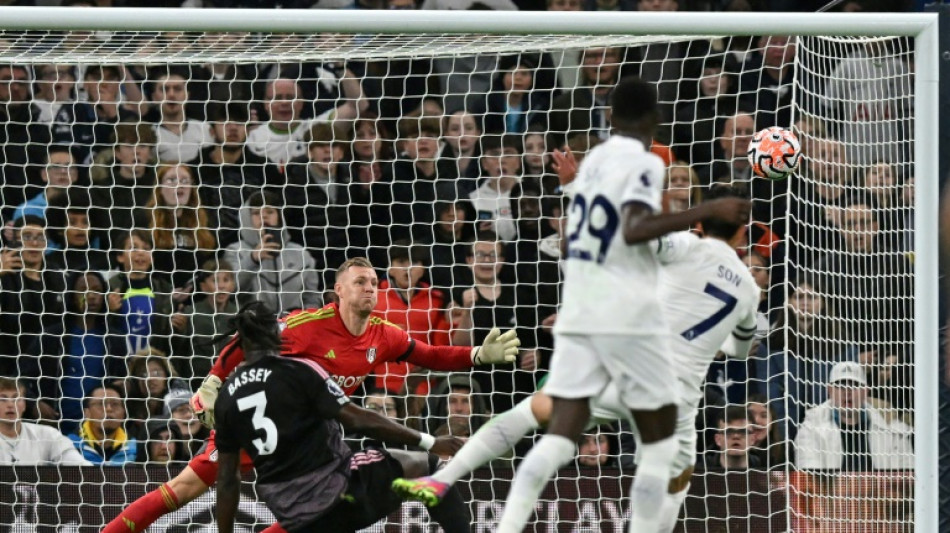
x=143, y=205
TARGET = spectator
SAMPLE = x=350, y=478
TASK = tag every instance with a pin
x=180, y=139
x=281, y=139
x=460, y=150
x=594, y=449
x=271, y=267
x=456, y=407
x=682, y=188
x=417, y=182
x=164, y=443
x=74, y=248
x=768, y=445
x=501, y=164
x=21, y=121
x=324, y=85
x=315, y=196
x=850, y=433
x=150, y=378
x=58, y=174
x=733, y=441
x=697, y=121
x=796, y=370
x=73, y=357
x=140, y=304
x=886, y=192
x=861, y=279
x=31, y=294
x=371, y=151
x=178, y=410
x=488, y=304
x=868, y=97
x=125, y=184
x=227, y=171
x=735, y=136
x=453, y=233
x=55, y=85
x=207, y=318
x=384, y=403
x=817, y=200
x=102, y=438
x=409, y=302
x=535, y=160
x=766, y=83
x=27, y=444
x=584, y=109
x=89, y=126
x=514, y=101
x=181, y=228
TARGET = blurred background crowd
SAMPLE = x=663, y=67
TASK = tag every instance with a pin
x=143, y=204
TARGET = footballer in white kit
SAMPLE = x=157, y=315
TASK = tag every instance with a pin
x=609, y=326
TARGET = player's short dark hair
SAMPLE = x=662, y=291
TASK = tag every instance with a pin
x=633, y=100
x=352, y=262
x=715, y=227
x=256, y=325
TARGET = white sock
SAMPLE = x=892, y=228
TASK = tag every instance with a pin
x=650, y=485
x=535, y=471
x=495, y=438
x=672, y=504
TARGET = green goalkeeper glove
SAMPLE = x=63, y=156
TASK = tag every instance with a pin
x=498, y=348
x=202, y=403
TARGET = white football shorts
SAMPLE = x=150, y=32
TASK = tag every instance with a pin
x=639, y=366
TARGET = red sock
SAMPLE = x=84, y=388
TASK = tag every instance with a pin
x=144, y=511
x=274, y=528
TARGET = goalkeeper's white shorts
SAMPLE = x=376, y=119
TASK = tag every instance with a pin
x=639, y=367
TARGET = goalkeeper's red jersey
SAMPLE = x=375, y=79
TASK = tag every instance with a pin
x=321, y=336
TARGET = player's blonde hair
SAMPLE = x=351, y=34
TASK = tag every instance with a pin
x=353, y=262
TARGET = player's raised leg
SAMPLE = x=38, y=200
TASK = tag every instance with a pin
x=494, y=439
x=138, y=516
x=577, y=374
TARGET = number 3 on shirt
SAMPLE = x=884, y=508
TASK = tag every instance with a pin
x=258, y=402
x=603, y=233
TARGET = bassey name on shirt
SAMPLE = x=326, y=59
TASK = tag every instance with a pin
x=248, y=376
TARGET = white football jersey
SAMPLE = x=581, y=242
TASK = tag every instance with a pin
x=610, y=286
x=707, y=294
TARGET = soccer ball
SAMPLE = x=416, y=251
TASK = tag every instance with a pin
x=774, y=153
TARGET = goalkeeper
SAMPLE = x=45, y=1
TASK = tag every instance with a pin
x=347, y=341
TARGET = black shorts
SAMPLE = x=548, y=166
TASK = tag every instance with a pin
x=368, y=497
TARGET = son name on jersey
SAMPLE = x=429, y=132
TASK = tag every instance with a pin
x=729, y=275
x=248, y=376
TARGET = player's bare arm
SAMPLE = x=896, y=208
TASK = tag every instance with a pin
x=377, y=426
x=229, y=487
x=642, y=224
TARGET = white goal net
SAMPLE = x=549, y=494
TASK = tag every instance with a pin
x=154, y=182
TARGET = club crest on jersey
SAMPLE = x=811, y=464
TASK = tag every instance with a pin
x=371, y=354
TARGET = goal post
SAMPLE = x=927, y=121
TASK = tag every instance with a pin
x=399, y=35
